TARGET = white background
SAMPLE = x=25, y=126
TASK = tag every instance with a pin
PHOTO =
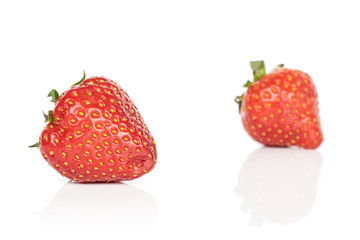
x=183, y=63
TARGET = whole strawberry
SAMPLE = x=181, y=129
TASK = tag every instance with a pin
x=96, y=134
x=281, y=108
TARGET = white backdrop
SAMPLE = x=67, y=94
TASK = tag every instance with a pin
x=183, y=63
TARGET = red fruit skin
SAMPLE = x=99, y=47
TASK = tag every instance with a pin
x=99, y=135
x=281, y=109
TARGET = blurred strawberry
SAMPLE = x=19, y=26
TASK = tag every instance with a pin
x=281, y=108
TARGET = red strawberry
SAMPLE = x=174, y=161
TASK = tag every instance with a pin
x=96, y=134
x=281, y=108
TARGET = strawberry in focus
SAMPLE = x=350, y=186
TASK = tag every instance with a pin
x=96, y=134
x=281, y=108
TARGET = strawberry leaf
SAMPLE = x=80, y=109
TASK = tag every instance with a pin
x=279, y=66
x=239, y=100
x=49, y=117
x=34, y=145
x=258, y=68
x=54, y=95
x=46, y=117
x=247, y=84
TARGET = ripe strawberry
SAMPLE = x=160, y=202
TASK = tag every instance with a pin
x=96, y=134
x=281, y=108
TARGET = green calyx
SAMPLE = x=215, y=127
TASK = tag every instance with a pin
x=49, y=117
x=259, y=72
x=239, y=100
x=79, y=82
x=258, y=68
x=54, y=95
x=34, y=145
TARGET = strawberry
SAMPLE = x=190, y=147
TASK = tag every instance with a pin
x=96, y=134
x=281, y=108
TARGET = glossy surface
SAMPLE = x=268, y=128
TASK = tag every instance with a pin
x=99, y=135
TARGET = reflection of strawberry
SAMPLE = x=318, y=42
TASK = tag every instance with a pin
x=96, y=133
x=79, y=208
x=281, y=108
x=279, y=184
